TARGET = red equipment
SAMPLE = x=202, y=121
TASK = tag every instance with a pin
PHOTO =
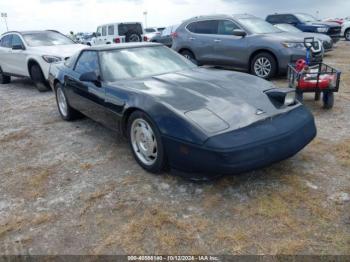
x=309, y=77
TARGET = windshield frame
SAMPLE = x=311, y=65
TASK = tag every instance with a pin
x=103, y=74
x=46, y=32
x=249, y=29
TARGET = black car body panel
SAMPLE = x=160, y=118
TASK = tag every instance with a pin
x=209, y=119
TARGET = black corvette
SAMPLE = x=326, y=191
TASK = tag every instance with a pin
x=197, y=121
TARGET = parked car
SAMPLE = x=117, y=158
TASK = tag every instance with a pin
x=119, y=33
x=326, y=40
x=345, y=30
x=88, y=39
x=240, y=41
x=307, y=23
x=166, y=36
x=194, y=120
x=151, y=32
x=30, y=54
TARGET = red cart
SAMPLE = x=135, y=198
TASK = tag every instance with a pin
x=318, y=78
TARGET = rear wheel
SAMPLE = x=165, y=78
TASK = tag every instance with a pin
x=145, y=142
x=347, y=34
x=66, y=111
x=264, y=65
x=189, y=55
x=4, y=79
x=38, y=78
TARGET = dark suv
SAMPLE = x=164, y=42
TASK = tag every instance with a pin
x=307, y=23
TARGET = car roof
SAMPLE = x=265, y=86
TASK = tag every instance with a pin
x=121, y=46
x=120, y=23
x=221, y=16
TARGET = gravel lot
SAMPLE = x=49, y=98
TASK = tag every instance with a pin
x=74, y=188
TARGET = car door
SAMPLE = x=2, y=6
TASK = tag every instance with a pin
x=87, y=97
x=5, y=53
x=18, y=57
x=230, y=50
x=201, y=39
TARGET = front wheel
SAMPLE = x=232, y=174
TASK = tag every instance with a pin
x=38, y=78
x=146, y=143
x=347, y=34
x=66, y=111
x=264, y=65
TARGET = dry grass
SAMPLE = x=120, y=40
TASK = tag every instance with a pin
x=15, y=136
x=155, y=228
x=95, y=196
x=20, y=222
x=342, y=151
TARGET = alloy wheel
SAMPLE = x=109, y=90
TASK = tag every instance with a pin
x=262, y=67
x=143, y=142
x=62, y=102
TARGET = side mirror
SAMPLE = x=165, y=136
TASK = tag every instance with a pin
x=17, y=47
x=90, y=77
x=239, y=32
x=93, y=34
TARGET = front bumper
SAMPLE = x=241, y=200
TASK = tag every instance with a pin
x=246, y=149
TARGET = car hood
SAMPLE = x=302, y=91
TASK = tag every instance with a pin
x=286, y=37
x=322, y=37
x=63, y=51
x=230, y=100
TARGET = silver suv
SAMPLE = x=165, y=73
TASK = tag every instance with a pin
x=240, y=41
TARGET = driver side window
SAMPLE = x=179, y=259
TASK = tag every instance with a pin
x=226, y=27
x=87, y=62
x=16, y=41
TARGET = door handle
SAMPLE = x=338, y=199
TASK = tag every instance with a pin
x=217, y=40
x=192, y=38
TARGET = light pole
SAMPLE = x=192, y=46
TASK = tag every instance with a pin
x=145, y=14
x=4, y=15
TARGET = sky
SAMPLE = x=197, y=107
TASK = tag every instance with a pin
x=86, y=15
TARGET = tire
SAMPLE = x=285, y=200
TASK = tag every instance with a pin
x=68, y=113
x=140, y=125
x=347, y=34
x=132, y=36
x=328, y=100
x=38, y=78
x=4, y=79
x=263, y=65
x=189, y=55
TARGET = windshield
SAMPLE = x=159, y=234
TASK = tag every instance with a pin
x=46, y=39
x=258, y=26
x=306, y=18
x=141, y=62
x=288, y=28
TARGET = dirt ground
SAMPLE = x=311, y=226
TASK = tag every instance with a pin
x=74, y=188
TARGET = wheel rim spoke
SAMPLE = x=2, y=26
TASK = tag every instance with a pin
x=262, y=67
x=144, y=142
